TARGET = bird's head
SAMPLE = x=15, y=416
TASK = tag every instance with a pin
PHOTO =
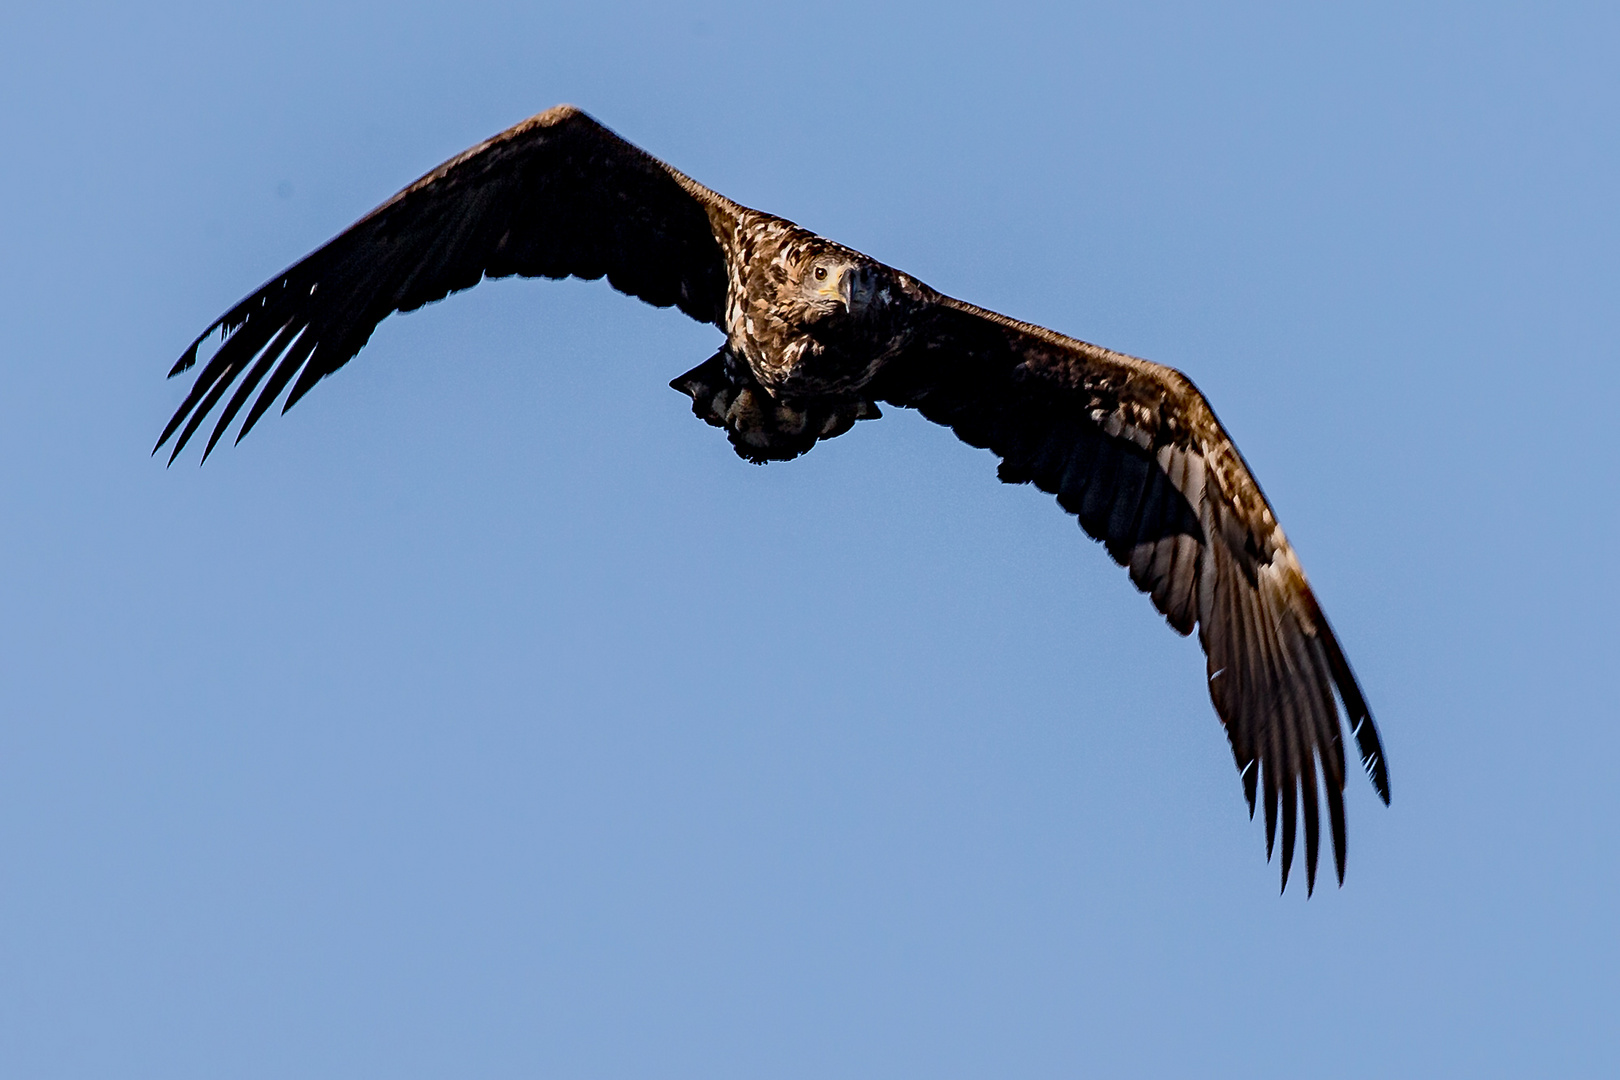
x=834, y=283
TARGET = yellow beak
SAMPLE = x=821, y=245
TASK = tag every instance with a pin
x=836, y=288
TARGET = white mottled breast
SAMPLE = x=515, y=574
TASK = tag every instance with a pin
x=782, y=356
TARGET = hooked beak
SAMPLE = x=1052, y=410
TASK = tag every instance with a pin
x=838, y=289
x=851, y=289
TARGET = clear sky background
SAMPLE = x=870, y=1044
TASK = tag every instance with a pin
x=486, y=716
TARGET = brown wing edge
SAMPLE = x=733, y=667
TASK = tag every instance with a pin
x=317, y=314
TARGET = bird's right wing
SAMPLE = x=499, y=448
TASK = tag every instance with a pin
x=558, y=195
x=1134, y=450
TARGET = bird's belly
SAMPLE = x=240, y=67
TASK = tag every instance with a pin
x=807, y=369
x=764, y=426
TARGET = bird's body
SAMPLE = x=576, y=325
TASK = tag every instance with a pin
x=816, y=335
x=809, y=323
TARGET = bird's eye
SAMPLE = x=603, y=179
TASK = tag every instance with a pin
x=821, y=273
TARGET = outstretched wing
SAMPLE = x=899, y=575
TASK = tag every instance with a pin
x=1134, y=450
x=557, y=195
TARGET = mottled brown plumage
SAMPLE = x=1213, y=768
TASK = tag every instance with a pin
x=816, y=335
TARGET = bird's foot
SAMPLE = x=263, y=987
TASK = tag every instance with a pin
x=762, y=428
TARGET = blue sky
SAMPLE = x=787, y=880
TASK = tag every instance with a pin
x=486, y=716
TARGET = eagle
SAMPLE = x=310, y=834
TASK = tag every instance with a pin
x=817, y=336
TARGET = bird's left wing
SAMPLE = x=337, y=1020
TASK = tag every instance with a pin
x=554, y=196
x=1134, y=450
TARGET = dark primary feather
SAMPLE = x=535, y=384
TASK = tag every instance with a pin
x=1134, y=451
x=555, y=196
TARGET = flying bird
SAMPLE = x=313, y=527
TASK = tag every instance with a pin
x=817, y=336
